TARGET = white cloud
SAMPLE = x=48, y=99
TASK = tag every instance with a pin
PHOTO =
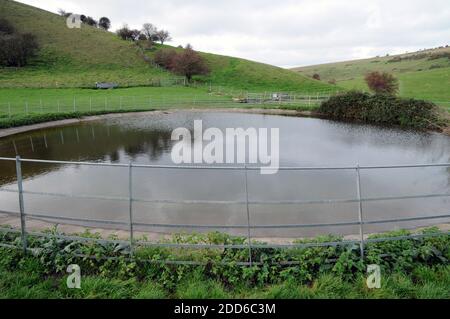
x=285, y=32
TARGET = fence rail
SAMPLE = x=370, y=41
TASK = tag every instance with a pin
x=130, y=224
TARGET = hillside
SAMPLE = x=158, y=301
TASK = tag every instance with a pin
x=71, y=57
x=424, y=74
x=81, y=57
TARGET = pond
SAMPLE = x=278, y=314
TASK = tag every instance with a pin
x=146, y=139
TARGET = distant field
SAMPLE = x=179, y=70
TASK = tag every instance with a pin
x=424, y=75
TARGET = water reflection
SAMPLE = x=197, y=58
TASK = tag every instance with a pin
x=303, y=142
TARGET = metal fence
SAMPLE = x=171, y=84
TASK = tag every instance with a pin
x=87, y=104
x=361, y=222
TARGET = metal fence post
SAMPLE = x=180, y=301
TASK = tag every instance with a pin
x=130, y=206
x=9, y=109
x=249, y=238
x=21, y=204
x=74, y=104
x=360, y=210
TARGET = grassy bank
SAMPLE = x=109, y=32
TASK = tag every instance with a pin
x=30, y=106
x=28, y=282
x=410, y=268
x=422, y=75
x=71, y=58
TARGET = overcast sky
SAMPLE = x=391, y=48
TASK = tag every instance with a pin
x=286, y=33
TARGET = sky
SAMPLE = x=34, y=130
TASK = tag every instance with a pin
x=286, y=33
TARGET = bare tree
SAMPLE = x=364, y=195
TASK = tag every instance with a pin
x=150, y=31
x=163, y=36
x=125, y=33
x=384, y=83
x=63, y=13
x=166, y=58
x=135, y=34
x=189, y=63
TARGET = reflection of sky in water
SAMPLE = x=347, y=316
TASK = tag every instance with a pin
x=303, y=142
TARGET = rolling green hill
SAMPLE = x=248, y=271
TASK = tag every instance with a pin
x=424, y=74
x=80, y=57
x=71, y=57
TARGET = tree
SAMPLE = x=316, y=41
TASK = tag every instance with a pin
x=189, y=63
x=150, y=31
x=384, y=83
x=125, y=33
x=16, y=49
x=165, y=58
x=135, y=34
x=104, y=23
x=91, y=21
x=64, y=13
x=163, y=36
x=6, y=27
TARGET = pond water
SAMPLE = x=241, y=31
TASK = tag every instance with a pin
x=303, y=142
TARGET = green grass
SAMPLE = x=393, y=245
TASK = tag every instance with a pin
x=245, y=75
x=81, y=57
x=19, y=284
x=25, y=106
x=413, y=268
x=72, y=57
x=257, y=77
x=420, y=77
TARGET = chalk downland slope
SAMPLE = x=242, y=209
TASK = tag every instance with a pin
x=71, y=57
x=81, y=57
x=424, y=74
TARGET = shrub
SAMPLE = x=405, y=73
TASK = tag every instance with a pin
x=165, y=58
x=125, y=33
x=104, y=23
x=316, y=76
x=6, y=27
x=381, y=109
x=189, y=63
x=384, y=83
x=16, y=49
x=220, y=270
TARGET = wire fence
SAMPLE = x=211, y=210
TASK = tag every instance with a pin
x=113, y=103
x=131, y=199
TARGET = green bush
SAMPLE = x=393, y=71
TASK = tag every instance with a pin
x=382, y=109
x=52, y=255
x=424, y=260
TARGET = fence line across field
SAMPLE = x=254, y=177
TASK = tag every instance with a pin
x=118, y=103
x=130, y=223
